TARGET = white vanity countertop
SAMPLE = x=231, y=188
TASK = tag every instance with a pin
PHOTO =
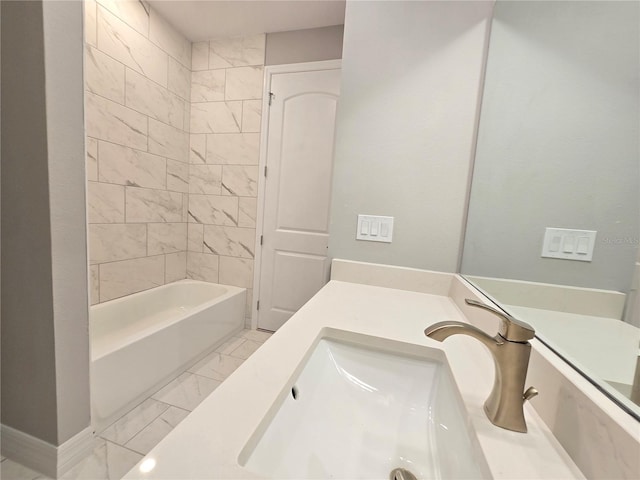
x=208, y=442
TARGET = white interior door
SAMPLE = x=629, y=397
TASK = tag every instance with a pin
x=297, y=192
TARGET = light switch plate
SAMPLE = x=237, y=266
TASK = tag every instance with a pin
x=374, y=228
x=569, y=244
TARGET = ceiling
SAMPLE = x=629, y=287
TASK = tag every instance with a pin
x=202, y=20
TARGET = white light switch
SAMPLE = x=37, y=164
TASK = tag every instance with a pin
x=374, y=228
x=569, y=241
x=569, y=244
x=583, y=246
x=554, y=246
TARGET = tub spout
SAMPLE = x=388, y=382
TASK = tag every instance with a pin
x=510, y=350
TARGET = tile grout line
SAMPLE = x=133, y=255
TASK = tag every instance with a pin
x=125, y=447
x=147, y=117
x=145, y=426
x=134, y=258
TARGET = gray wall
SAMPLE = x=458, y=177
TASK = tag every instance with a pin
x=313, y=44
x=558, y=143
x=45, y=348
x=411, y=74
x=28, y=353
x=632, y=312
x=63, y=40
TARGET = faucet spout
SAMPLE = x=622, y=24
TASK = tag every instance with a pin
x=504, y=406
x=442, y=330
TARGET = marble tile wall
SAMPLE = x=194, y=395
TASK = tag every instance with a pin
x=226, y=99
x=138, y=115
x=173, y=133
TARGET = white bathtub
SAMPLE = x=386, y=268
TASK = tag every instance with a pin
x=142, y=341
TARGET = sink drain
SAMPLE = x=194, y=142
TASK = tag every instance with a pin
x=401, y=474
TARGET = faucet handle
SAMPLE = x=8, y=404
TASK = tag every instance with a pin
x=529, y=393
x=511, y=329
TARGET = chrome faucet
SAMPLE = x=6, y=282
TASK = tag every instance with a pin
x=511, y=350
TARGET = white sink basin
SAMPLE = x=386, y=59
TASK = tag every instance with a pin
x=357, y=412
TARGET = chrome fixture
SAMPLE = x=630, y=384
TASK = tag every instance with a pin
x=511, y=350
x=401, y=474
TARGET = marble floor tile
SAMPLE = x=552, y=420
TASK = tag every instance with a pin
x=186, y=391
x=245, y=350
x=230, y=345
x=133, y=422
x=148, y=438
x=256, y=335
x=216, y=366
x=107, y=462
x=10, y=470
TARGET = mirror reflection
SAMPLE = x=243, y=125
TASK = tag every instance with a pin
x=553, y=223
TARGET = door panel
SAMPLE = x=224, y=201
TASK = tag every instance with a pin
x=296, y=241
x=305, y=180
x=297, y=195
x=301, y=287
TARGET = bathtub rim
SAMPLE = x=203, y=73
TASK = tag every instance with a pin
x=97, y=354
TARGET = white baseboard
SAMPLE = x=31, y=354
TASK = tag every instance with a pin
x=42, y=456
x=74, y=450
x=29, y=451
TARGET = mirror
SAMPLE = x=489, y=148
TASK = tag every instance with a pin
x=559, y=148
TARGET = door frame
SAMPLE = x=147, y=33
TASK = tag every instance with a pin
x=269, y=72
